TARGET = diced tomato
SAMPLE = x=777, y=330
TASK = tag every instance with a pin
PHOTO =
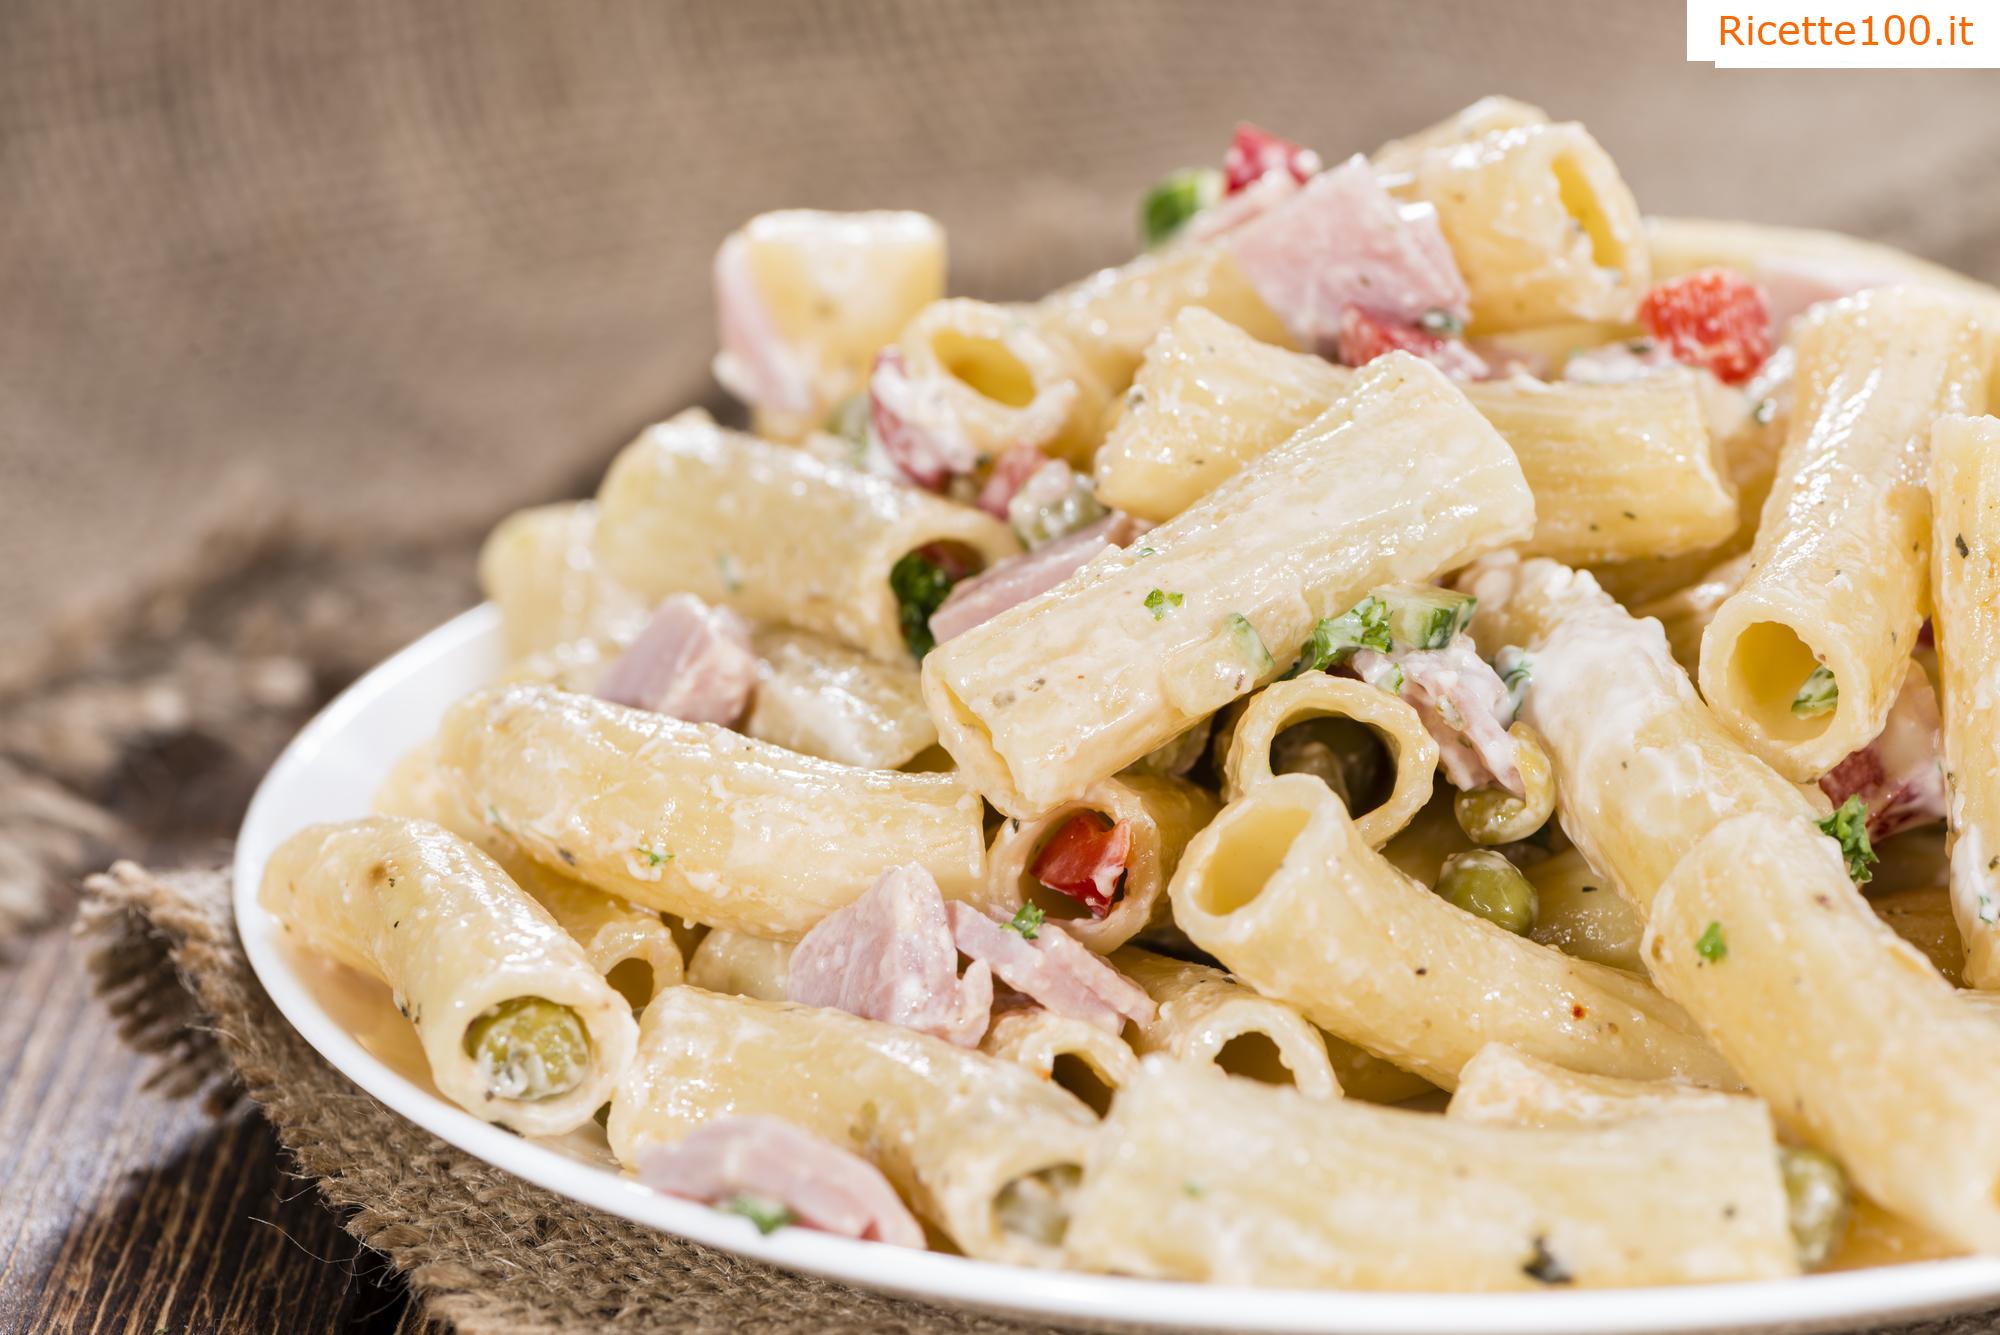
x=1713, y=318
x=1364, y=337
x=1086, y=861
x=1015, y=465
x=1254, y=152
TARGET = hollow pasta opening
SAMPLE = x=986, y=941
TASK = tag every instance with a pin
x=1055, y=903
x=986, y=366
x=1035, y=1205
x=1248, y=850
x=921, y=579
x=1074, y=1073
x=1346, y=755
x=632, y=979
x=1768, y=665
x=1255, y=1055
x=1579, y=200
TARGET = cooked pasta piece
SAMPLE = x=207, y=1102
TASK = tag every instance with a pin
x=1923, y=917
x=1110, y=317
x=1626, y=730
x=981, y=1148
x=1282, y=872
x=1160, y=814
x=737, y=964
x=1506, y=1087
x=539, y=567
x=1837, y=577
x=1489, y=115
x=633, y=948
x=1685, y=613
x=1070, y=1053
x=1850, y=1036
x=1382, y=745
x=1818, y=264
x=1206, y=1018
x=776, y=534
x=1397, y=481
x=1574, y=247
x=517, y=1025
x=821, y=698
x=806, y=298
x=1617, y=470
x=1965, y=583
x=1197, y=1176
x=697, y=820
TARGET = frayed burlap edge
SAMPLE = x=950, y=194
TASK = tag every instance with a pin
x=484, y=1251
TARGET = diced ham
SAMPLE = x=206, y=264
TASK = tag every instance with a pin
x=1055, y=969
x=1015, y=465
x=889, y=956
x=1343, y=242
x=754, y=364
x=823, y=1186
x=1363, y=338
x=1011, y=582
x=1463, y=704
x=1255, y=154
x=1086, y=860
x=1899, y=775
x=691, y=662
x=914, y=425
x=1233, y=210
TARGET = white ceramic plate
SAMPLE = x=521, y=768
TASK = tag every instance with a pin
x=330, y=771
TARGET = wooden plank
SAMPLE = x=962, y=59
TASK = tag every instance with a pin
x=126, y=1213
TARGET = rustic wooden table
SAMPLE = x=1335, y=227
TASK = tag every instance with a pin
x=129, y=1213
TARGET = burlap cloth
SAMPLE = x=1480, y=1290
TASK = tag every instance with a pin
x=296, y=298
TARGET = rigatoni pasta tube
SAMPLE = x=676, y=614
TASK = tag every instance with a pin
x=695, y=819
x=821, y=698
x=1573, y=246
x=1397, y=481
x=1845, y=1030
x=1506, y=1087
x=539, y=567
x=1837, y=574
x=999, y=382
x=775, y=533
x=1162, y=812
x=737, y=964
x=632, y=947
x=1765, y=252
x=1622, y=470
x=982, y=1148
x=1282, y=889
x=1072, y=1054
x=1965, y=582
x=1207, y=1019
x=517, y=1025
x=1197, y=1176
x=1411, y=752
x=1643, y=769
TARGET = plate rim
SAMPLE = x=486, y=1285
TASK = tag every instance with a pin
x=1850, y=1298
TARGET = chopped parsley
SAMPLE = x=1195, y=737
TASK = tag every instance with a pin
x=732, y=574
x=1765, y=410
x=1848, y=827
x=849, y=418
x=1712, y=945
x=769, y=1216
x=1440, y=323
x=1247, y=643
x=1147, y=551
x=920, y=585
x=1168, y=205
x=1517, y=673
x=1193, y=1190
x=1027, y=920
x=654, y=857
x=1424, y=616
x=1159, y=602
x=1363, y=626
x=1819, y=695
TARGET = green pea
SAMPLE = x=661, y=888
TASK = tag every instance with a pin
x=1484, y=883
x=529, y=1049
x=1818, y=1202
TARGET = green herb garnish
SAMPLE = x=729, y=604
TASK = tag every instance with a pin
x=920, y=585
x=769, y=1216
x=1363, y=626
x=1159, y=602
x=1168, y=205
x=1027, y=920
x=1441, y=323
x=654, y=857
x=1424, y=616
x=1819, y=695
x=1849, y=828
x=1517, y=673
x=1711, y=945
